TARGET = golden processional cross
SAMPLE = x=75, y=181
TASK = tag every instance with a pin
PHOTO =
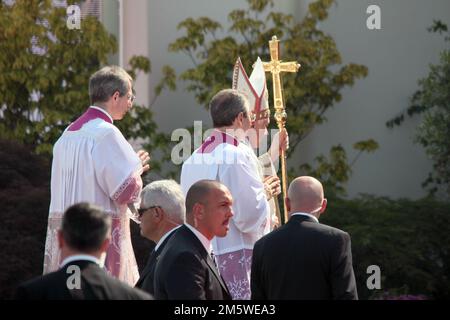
x=276, y=66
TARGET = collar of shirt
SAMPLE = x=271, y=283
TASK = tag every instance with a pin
x=233, y=137
x=305, y=214
x=205, y=242
x=104, y=111
x=78, y=257
x=164, y=237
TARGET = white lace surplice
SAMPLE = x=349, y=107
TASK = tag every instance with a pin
x=96, y=164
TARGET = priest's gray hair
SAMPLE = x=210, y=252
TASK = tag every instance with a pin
x=168, y=195
x=106, y=81
x=226, y=105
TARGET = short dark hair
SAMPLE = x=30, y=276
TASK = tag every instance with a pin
x=226, y=105
x=198, y=192
x=85, y=227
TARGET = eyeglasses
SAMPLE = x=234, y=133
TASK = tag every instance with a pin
x=131, y=97
x=142, y=210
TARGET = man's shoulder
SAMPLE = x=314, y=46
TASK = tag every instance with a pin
x=95, y=128
x=121, y=290
x=181, y=243
x=219, y=150
x=38, y=286
x=313, y=229
x=330, y=231
x=179, y=240
x=54, y=276
x=102, y=128
x=275, y=235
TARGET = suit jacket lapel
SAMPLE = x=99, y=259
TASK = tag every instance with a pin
x=215, y=270
x=206, y=256
x=147, y=268
x=154, y=255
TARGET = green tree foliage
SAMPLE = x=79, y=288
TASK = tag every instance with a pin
x=407, y=239
x=308, y=94
x=432, y=100
x=44, y=74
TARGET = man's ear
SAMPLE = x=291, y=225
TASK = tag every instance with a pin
x=198, y=211
x=105, y=245
x=324, y=206
x=240, y=118
x=61, y=241
x=159, y=214
x=287, y=201
x=116, y=95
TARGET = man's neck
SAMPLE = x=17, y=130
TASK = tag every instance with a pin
x=233, y=131
x=200, y=230
x=101, y=106
x=316, y=215
x=66, y=253
x=204, y=239
x=169, y=226
x=227, y=130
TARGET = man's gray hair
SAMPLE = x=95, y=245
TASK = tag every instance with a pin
x=168, y=195
x=226, y=105
x=106, y=81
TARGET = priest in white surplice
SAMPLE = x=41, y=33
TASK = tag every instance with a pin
x=226, y=157
x=255, y=89
x=93, y=162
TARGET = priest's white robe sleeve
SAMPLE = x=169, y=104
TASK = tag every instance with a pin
x=118, y=168
x=268, y=167
x=251, y=209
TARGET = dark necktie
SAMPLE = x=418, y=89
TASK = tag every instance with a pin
x=213, y=257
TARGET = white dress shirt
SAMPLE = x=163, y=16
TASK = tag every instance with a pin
x=78, y=257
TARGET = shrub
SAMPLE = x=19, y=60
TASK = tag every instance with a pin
x=409, y=240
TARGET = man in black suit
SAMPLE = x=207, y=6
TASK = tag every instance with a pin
x=83, y=239
x=162, y=212
x=185, y=269
x=304, y=260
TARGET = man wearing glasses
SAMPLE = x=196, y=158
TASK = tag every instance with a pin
x=93, y=162
x=162, y=212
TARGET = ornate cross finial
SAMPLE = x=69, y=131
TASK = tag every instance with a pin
x=276, y=66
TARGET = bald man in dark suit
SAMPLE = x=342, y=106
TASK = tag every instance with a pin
x=304, y=260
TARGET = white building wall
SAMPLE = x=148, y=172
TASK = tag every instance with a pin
x=397, y=56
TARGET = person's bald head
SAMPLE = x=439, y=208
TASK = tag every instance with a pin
x=209, y=208
x=305, y=194
x=199, y=192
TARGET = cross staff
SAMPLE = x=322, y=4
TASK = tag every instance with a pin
x=276, y=66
